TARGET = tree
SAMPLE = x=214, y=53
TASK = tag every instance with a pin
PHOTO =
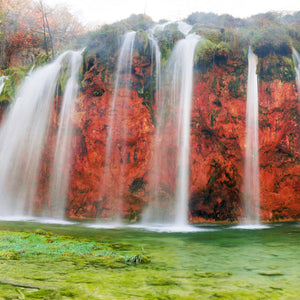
x=46, y=24
x=26, y=24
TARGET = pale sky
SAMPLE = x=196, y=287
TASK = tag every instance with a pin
x=109, y=11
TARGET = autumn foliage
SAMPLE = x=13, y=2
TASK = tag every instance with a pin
x=27, y=24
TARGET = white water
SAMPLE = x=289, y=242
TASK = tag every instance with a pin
x=22, y=135
x=159, y=27
x=2, y=83
x=251, y=227
x=251, y=174
x=59, y=181
x=184, y=56
x=184, y=27
x=123, y=78
x=296, y=58
x=178, y=88
x=155, y=56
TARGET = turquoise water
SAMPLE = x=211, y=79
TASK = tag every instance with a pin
x=221, y=263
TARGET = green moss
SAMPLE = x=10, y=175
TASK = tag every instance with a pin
x=45, y=244
x=213, y=274
x=234, y=88
x=98, y=93
x=148, y=104
x=104, y=44
x=161, y=282
x=167, y=40
x=182, y=266
x=42, y=59
x=205, y=54
x=270, y=273
x=137, y=22
x=273, y=40
x=223, y=50
x=63, y=77
x=213, y=35
x=15, y=78
x=276, y=66
x=142, y=42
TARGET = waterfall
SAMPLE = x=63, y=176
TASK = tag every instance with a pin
x=156, y=160
x=251, y=176
x=60, y=170
x=117, y=130
x=184, y=28
x=186, y=49
x=156, y=56
x=22, y=135
x=177, y=94
x=2, y=83
x=183, y=76
x=296, y=58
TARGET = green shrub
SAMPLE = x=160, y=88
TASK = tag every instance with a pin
x=205, y=53
x=272, y=40
x=12, y=82
x=276, y=67
x=137, y=22
x=167, y=40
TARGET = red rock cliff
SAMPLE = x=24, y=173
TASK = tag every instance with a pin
x=217, y=149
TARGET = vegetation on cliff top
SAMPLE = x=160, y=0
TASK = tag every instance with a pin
x=271, y=36
x=225, y=41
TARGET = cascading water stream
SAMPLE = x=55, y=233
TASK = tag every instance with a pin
x=296, y=58
x=251, y=196
x=22, y=135
x=155, y=56
x=2, y=83
x=123, y=78
x=177, y=93
x=60, y=169
x=187, y=48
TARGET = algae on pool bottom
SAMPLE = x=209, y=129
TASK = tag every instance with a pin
x=73, y=262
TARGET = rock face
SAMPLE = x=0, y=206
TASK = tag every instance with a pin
x=89, y=195
x=217, y=148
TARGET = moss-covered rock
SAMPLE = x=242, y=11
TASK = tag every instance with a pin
x=272, y=41
x=15, y=76
x=142, y=42
x=167, y=39
x=276, y=66
x=205, y=53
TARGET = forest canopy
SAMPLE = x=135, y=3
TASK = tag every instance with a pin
x=28, y=24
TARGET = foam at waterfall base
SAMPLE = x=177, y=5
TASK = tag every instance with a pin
x=251, y=226
x=171, y=228
x=55, y=221
x=41, y=220
x=17, y=218
x=103, y=225
x=149, y=227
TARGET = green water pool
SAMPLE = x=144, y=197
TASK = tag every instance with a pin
x=221, y=262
